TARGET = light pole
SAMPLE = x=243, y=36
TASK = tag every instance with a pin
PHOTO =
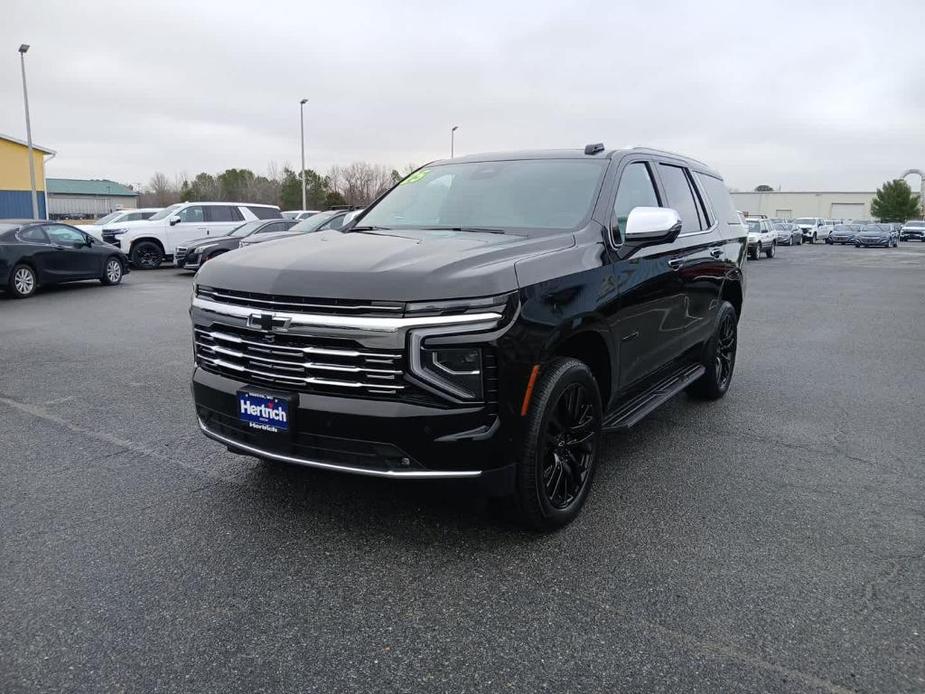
x=25, y=97
x=453, y=140
x=302, y=128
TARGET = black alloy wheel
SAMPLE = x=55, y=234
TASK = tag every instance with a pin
x=568, y=446
x=719, y=357
x=561, y=445
x=147, y=255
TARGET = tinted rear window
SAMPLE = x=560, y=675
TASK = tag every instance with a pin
x=265, y=212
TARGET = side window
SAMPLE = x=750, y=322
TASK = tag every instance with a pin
x=134, y=216
x=265, y=212
x=33, y=235
x=191, y=215
x=720, y=200
x=681, y=197
x=64, y=235
x=635, y=190
x=270, y=228
x=222, y=213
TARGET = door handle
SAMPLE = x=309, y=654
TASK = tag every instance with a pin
x=717, y=252
x=675, y=263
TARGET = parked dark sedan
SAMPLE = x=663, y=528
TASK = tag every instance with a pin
x=843, y=234
x=876, y=235
x=195, y=253
x=332, y=219
x=33, y=253
x=788, y=234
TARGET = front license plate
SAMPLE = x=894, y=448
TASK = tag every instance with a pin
x=264, y=412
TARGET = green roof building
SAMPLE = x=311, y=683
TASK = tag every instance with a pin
x=75, y=198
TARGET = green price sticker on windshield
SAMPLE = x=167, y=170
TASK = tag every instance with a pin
x=416, y=176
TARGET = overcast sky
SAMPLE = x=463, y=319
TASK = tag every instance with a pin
x=802, y=95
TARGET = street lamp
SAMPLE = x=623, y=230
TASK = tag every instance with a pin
x=453, y=140
x=302, y=128
x=25, y=97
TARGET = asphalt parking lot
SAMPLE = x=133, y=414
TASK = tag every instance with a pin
x=773, y=541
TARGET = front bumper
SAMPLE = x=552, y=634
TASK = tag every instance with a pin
x=361, y=436
x=873, y=242
x=909, y=235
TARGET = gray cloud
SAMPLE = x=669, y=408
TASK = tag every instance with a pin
x=798, y=94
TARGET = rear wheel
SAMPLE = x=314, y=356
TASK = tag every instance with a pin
x=23, y=282
x=561, y=446
x=754, y=253
x=719, y=357
x=771, y=250
x=112, y=271
x=147, y=255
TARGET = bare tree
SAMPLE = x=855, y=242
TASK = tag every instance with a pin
x=360, y=182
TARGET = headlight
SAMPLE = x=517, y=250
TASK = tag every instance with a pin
x=118, y=232
x=200, y=249
x=457, y=370
x=439, y=356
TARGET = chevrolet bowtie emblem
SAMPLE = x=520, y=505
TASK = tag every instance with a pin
x=268, y=322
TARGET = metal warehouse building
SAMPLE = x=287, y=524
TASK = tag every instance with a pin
x=72, y=198
x=809, y=204
x=15, y=186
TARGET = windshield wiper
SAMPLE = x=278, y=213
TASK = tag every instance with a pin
x=487, y=230
x=369, y=228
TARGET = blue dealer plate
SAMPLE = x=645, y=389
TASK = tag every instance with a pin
x=263, y=412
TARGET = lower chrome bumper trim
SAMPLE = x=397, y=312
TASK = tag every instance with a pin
x=395, y=474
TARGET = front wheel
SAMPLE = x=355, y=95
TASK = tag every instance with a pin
x=112, y=272
x=23, y=282
x=147, y=255
x=719, y=357
x=561, y=446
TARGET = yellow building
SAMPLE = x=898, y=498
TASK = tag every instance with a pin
x=15, y=187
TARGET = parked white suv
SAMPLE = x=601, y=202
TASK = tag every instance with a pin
x=148, y=243
x=761, y=238
x=814, y=228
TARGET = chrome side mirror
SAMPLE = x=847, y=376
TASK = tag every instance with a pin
x=652, y=225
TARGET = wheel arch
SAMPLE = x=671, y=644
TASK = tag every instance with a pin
x=733, y=292
x=152, y=239
x=591, y=347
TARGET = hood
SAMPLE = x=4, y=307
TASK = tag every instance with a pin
x=205, y=240
x=396, y=265
x=270, y=236
x=135, y=223
x=873, y=233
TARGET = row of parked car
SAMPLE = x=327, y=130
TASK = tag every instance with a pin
x=765, y=234
x=37, y=252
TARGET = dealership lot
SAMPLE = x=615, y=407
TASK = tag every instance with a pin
x=771, y=541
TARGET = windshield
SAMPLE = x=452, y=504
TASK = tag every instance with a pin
x=315, y=221
x=246, y=229
x=518, y=194
x=805, y=220
x=781, y=227
x=111, y=217
x=915, y=225
x=843, y=227
x=872, y=227
x=166, y=212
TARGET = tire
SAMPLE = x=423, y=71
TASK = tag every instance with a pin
x=557, y=452
x=147, y=255
x=719, y=357
x=112, y=271
x=23, y=282
x=800, y=240
x=771, y=250
x=813, y=239
x=857, y=245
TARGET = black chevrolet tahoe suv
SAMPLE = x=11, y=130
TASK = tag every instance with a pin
x=489, y=317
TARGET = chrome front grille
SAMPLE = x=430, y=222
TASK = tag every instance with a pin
x=296, y=304
x=297, y=362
